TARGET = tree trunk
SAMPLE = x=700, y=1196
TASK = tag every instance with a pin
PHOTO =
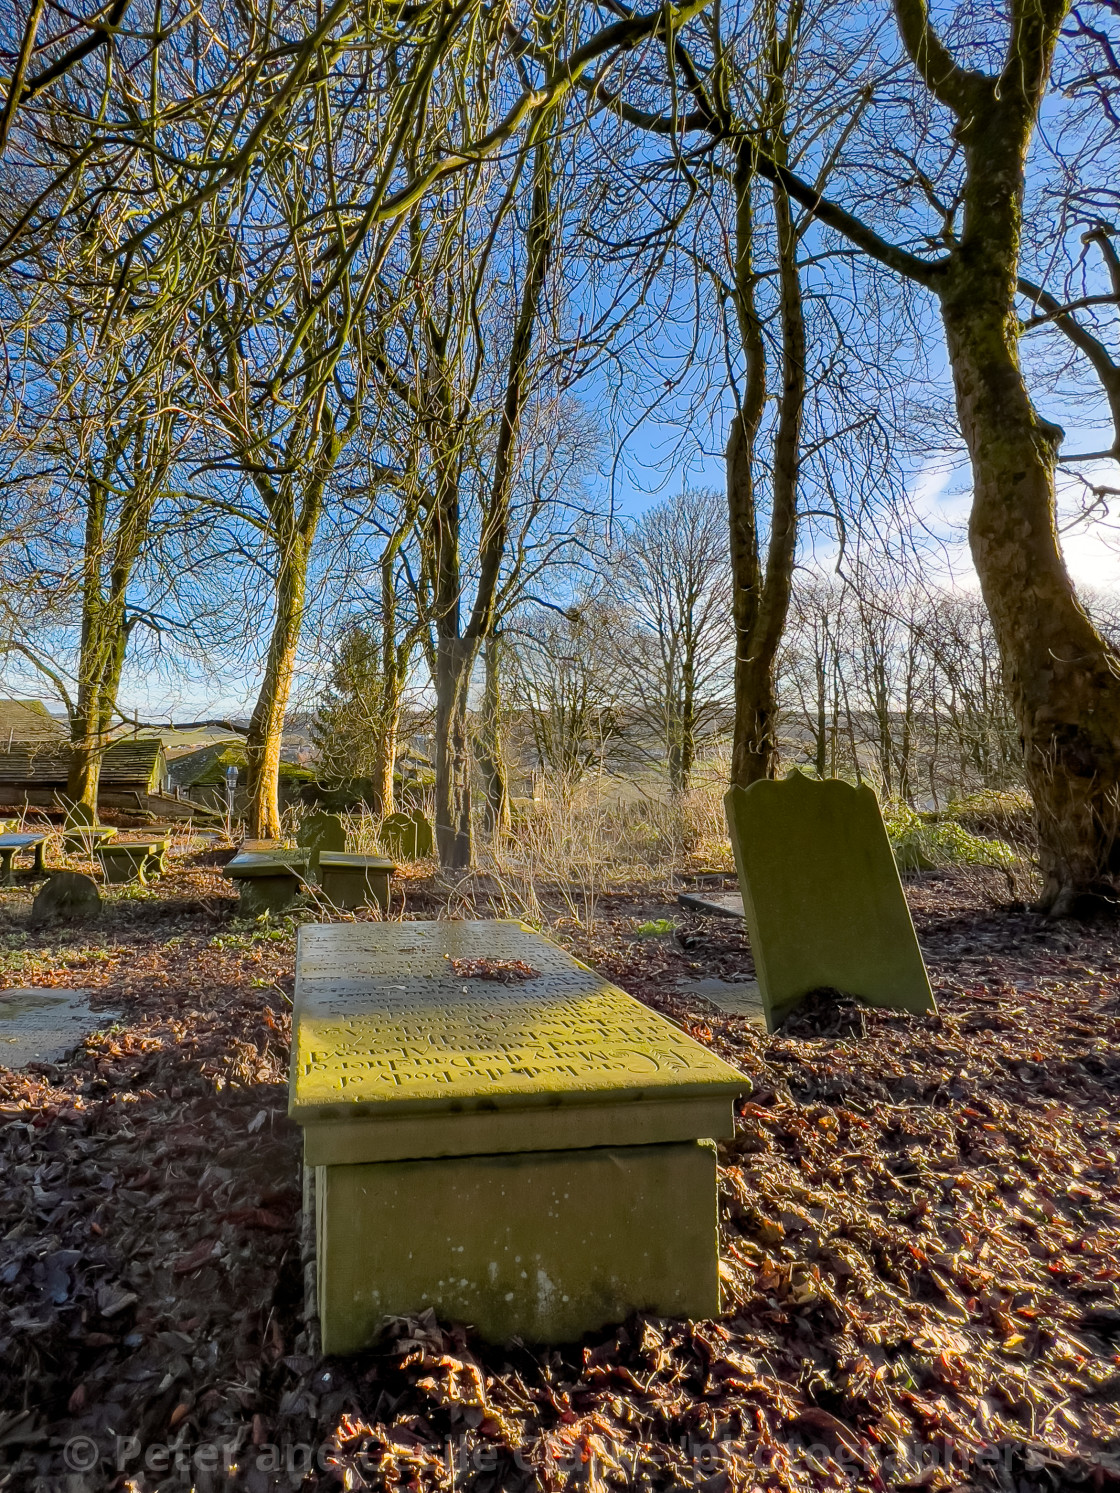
x=750, y=758
x=687, y=759
x=1062, y=677
x=105, y=627
x=266, y=724
x=491, y=754
x=101, y=666
x=762, y=596
x=820, y=754
x=454, y=657
x=385, y=764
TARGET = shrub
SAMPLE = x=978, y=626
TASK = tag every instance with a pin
x=922, y=843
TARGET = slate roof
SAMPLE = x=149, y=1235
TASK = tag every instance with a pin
x=28, y=720
x=132, y=766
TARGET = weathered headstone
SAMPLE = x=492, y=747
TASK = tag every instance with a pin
x=68, y=895
x=319, y=832
x=532, y=1157
x=407, y=836
x=822, y=897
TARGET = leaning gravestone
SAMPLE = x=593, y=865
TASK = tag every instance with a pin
x=68, y=895
x=822, y=897
x=407, y=836
x=319, y=832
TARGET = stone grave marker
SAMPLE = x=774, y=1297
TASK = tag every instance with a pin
x=319, y=832
x=407, y=836
x=68, y=895
x=822, y=896
x=41, y=1026
x=535, y=1158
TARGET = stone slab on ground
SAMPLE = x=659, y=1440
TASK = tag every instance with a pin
x=713, y=904
x=822, y=898
x=732, y=998
x=41, y=1026
x=542, y=1245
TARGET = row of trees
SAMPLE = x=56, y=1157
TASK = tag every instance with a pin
x=305, y=308
x=893, y=681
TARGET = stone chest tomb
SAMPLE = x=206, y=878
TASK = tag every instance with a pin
x=535, y=1158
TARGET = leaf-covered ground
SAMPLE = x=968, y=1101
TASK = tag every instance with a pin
x=920, y=1233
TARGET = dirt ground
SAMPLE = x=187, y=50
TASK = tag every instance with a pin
x=919, y=1230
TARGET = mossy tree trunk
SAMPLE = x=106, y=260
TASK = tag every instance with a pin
x=264, y=738
x=1063, y=677
x=114, y=538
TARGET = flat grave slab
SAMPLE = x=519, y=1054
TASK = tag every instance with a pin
x=731, y=998
x=41, y=1026
x=268, y=880
x=13, y=844
x=713, y=904
x=388, y=1038
x=409, y=1047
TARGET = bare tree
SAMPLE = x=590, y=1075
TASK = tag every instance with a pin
x=671, y=574
x=1062, y=675
x=567, y=679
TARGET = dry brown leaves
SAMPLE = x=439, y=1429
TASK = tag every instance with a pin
x=505, y=971
x=920, y=1229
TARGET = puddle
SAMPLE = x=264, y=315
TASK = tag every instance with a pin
x=41, y=1026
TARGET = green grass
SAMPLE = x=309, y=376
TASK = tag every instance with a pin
x=657, y=929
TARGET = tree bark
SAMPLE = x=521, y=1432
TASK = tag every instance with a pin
x=457, y=646
x=105, y=623
x=394, y=673
x=749, y=745
x=266, y=724
x=1062, y=676
x=454, y=658
x=762, y=596
x=385, y=764
x=491, y=755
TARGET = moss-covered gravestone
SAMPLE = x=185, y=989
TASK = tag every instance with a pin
x=68, y=895
x=535, y=1157
x=319, y=832
x=822, y=897
x=407, y=836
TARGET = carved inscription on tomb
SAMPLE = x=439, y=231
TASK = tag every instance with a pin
x=433, y=1039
